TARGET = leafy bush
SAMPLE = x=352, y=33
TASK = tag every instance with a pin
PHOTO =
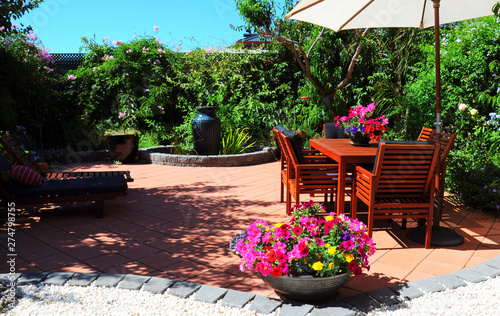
x=29, y=90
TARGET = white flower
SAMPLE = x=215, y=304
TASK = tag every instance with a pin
x=462, y=106
x=473, y=112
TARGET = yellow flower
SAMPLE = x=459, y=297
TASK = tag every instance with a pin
x=330, y=265
x=332, y=250
x=349, y=257
x=318, y=266
x=279, y=225
x=327, y=245
x=329, y=218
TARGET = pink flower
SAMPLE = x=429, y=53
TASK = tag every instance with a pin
x=121, y=115
x=156, y=28
x=71, y=77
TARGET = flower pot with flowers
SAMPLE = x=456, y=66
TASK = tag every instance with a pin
x=309, y=258
x=123, y=143
x=360, y=126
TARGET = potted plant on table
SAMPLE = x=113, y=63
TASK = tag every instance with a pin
x=360, y=126
x=309, y=258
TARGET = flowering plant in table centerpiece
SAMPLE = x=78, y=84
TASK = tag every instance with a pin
x=308, y=245
x=359, y=120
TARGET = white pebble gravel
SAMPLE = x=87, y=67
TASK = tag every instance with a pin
x=475, y=299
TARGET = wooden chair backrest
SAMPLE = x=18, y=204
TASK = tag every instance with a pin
x=446, y=141
x=291, y=158
x=404, y=170
x=426, y=134
x=17, y=153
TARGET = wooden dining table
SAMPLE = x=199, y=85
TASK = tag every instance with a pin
x=345, y=153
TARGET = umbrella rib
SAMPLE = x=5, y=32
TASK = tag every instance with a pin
x=422, y=19
x=355, y=15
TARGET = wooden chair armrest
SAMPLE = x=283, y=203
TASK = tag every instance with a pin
x=363, y=173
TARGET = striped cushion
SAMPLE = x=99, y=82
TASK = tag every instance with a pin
x=26, y=176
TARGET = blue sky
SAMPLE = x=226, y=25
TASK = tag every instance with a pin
x=61, y=24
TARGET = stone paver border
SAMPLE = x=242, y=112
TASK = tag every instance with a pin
x=346, y=307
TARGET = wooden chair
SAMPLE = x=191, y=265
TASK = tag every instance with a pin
x=426, y=134
x=309, y=177
x=311, y=156
x=401, y=184
x=283, y=171
x=446, y=142
x=20, y=157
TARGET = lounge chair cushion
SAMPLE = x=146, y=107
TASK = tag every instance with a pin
x=297, y=145
x=332, y=131
x=26, y=176
x=65, y=187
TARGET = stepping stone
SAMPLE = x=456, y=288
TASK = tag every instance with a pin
x=109, y=280
x=288, y=309
x=133, y=282
x=83, y=279
x=58, y=278
x=210, y=294
x=183, y=289
x=264, y=305
x=237, y=298
x=158, y=285
x=32, y=278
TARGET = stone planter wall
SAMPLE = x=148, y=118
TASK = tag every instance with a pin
x=267, y=154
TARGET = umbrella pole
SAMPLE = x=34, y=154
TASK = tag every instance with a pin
x=441, y=236
x=437, y=44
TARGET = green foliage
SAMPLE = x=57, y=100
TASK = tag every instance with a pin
x=324, y=57
x=14, y=9
x=236, y=142
x=126, y=85
x=30, y=92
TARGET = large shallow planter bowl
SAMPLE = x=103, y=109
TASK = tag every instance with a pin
x=123, y=147
x=305, y=288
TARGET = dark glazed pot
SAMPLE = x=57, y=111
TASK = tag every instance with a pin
x=360, y=139
x=305, y=288
x=206, y=131
x=123, y=148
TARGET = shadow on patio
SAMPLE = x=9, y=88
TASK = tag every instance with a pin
x=176, y=222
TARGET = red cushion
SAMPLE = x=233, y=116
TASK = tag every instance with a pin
x=26, y=176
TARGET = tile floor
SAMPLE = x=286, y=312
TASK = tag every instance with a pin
x=176, y=222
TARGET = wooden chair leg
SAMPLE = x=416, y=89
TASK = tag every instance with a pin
x=370, y=219
x=288, y=202
x=354, y=205
x=99, y=208
x=282, y=192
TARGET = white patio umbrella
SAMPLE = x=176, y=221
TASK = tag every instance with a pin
x=357, y=14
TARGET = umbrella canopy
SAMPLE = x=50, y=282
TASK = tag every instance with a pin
x=353, y=14
x=356, y=14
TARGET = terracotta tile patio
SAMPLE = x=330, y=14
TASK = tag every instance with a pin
x=176, y=222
